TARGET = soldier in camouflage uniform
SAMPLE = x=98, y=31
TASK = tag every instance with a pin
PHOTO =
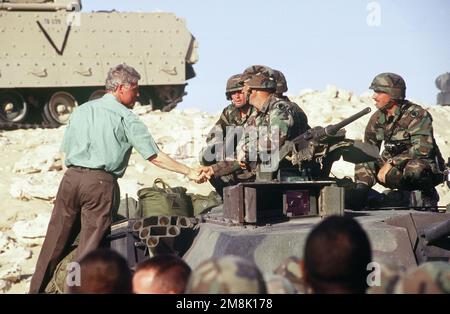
x=281, y=88
x=227, y=275
x=226, y=171
x=390, y=275
x=291, y=270
x=272, y=113
x=428, y=278
x=411, y=159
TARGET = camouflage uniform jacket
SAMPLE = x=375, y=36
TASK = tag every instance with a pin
x=231, y=116
x=300, y=111
x=276, y=112
x=408, y=134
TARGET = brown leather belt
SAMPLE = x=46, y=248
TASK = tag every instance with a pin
x=90, y=169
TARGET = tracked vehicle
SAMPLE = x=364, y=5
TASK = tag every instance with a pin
x=268, y=220
x=55, y=57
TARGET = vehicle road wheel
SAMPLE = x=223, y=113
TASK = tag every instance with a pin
x=13, y=107
x=143, y=99
x=59, y=107
x=170, y=96
x=97, y=94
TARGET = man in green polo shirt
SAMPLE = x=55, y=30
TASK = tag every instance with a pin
x=97, y=145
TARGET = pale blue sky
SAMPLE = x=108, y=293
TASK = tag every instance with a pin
x=314, y=43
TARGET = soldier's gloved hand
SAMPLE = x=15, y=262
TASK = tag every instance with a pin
x=383, y=171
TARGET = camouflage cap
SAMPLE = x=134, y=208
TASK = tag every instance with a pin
x=228, y=274
x=234, y=84
x=281, y=82
x=261, y=80
x=291, y=270
x=277, y=284
x=390, y=83
x=428, y=278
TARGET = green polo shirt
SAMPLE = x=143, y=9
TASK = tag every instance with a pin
x=101, y=134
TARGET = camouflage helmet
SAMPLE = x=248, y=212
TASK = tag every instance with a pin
x=234, y=84
x=281, y=82
x=257, y=68
x=428, y=278
x=277, y=75
x=390, y=83
x=229, y=275
x=261, y=80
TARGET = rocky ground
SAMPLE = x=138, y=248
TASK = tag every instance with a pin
x=31, y=169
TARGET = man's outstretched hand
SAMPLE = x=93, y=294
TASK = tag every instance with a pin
x=201, y=175
x=205, y=173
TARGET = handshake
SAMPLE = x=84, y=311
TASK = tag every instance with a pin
x=201, y=174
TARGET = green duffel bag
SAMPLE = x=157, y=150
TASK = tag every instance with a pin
x=203, y=203
x=128, y=208
x=57, y=284
x=164, y=200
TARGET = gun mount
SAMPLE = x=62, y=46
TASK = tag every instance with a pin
x=314, y=152
x=267, y=222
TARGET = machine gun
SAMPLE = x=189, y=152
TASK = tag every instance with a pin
x=315, y=150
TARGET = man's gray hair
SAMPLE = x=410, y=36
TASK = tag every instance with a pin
x=121, y=74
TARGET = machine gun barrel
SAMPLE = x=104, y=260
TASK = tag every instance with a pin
x=334, y=128
x=437, y=232
x=319, y=133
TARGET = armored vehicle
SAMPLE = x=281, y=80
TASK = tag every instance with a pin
x=268, y=221
x=55, y=57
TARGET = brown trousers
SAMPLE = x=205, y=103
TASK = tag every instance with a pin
x=83, y=205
